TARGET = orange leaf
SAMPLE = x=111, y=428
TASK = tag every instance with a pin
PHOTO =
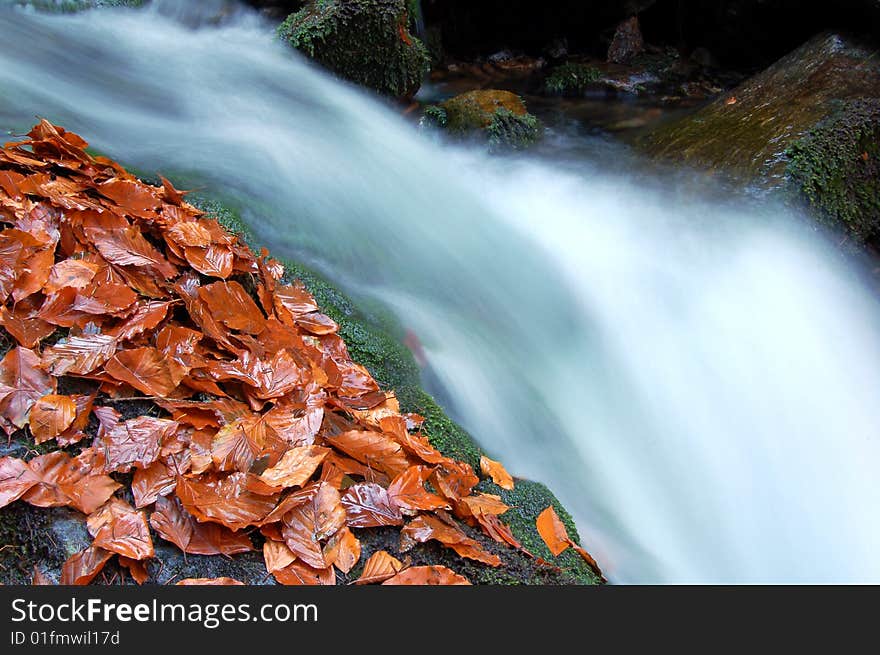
x=368, y=505
x=81, y=568
x=427, y=575
x=552, y=531
x=408, y=491
x=146, y=369
x=426, y=527
x=300, y=573
x=239, y=444
x=50, y=416
x=277, y=555
x=380, y=567
x=295, y=467
x=136, y=442
x=22, y=383
x=175, y=524
x=16, y=479
x=23, y=322
x=120, y=529
x=216, y=582
x=230, y=304
x=307, y=524
x=40, y=579
x=343, y=550
x=374, y=449
x=498, y=473
x=224, y=500
x=79, y=355
x=136, y=568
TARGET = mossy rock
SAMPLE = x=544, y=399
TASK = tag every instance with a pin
x=799, y=124
x=571, y=79
x=835, y=170
x=499, y=117
x=366, y=41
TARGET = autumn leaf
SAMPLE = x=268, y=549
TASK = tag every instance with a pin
x=173, y=523
x=216, y=582
x=224, y=500
x=277, y=555
x=81, y=568
x=367, y=505
x=427, y=575
x=426, y=527
x=136, y=442
x=16, y=479
x=79, y=482
x=40, y=579
x=374, y=449
x=408, y=492
x=295, y=467
x=79, y=355
x=239, y=444
x=380, y=567
x=22, y=383
x=230, y=304
x=552, y=531
x=306, y=525
x=154, y=481
x=497, y=472
x=300, y=573
x=24, y=323
x=137, y=569
x=146, y=369
x=455, y=480
x=343, y=550
x=50, y=416
x=119, y=528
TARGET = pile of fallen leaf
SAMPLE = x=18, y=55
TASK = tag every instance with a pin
x=268, y=424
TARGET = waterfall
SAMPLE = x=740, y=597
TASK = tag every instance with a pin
x=697, y=380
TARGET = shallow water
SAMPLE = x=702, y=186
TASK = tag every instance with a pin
x=696, y=379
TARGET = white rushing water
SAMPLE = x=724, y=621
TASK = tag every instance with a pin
x=698, y=384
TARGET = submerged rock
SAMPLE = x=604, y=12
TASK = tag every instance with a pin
x=366, y=41
x=806, y=125
x=627, y=42
x=498, y=116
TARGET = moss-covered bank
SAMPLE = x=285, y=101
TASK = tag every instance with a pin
x=366, y=41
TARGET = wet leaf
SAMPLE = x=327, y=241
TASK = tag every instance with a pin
x=119, y=528
x=16, y=479
x=380, y=567
x=215, y=582
x=300, y=573
x=22, y=383
x=426, y=527
x=146, y=369
x=230, y=304
x=408, y=492
x=50, y=416
x=173, y=523
x=552, y=531
x=306, y=525
x=427, y=575
x=295, y=467
x=81, y=568
x=79, y=355
x=374, y=449
x=137, y=569
x=497, y=472
x=224, y=500
x=343, y=550
x=136, y=442
x=368, y=505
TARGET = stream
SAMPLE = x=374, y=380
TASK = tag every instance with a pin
x=695, y=375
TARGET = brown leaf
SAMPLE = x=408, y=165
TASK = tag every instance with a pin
x=497, y=472
x=307, y=524
x=343, y=550
x=147, y=315
x=230, y=304
x=81, y=568
x=41, y=579
x=295, y=467
x=175, y=524
x=426, y=527
x=374, y=449
x=136, y=568
x=588, y=559
x=119, y=528
x=552, y=531
x=380, y=567
x=239, y=444
x=136, y=442
x=154, y=481
x=455, y=480
x=224, y=500
x=368, y=505
x=79, y=355
x=300, y=573
x=128, y=247
x=427, y=575
x=22, y=383
x=24, y=323
x=493, y=527
x=277, y=555
x=408, y=491
x=480, y=504
x=50, y=416
x=78, y=482
x=146, y=369
x=216, y=582
x=16, y=479
x=75, y=273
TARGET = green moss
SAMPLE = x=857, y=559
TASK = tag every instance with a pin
x=435, y=115
x=512, y=131
x=571, y=79
x=835, y=169
x=366, y=41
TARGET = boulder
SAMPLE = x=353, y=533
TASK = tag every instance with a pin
x=366, y=41
x=627, y=43
x=500, y=117
x=807, y=125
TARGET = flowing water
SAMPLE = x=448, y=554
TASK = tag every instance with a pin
x=697, y=380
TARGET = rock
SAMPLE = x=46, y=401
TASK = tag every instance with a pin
x=571, y=79
x=498, y=116
x=803, y=125
x=627, y=42
x=366, y=41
